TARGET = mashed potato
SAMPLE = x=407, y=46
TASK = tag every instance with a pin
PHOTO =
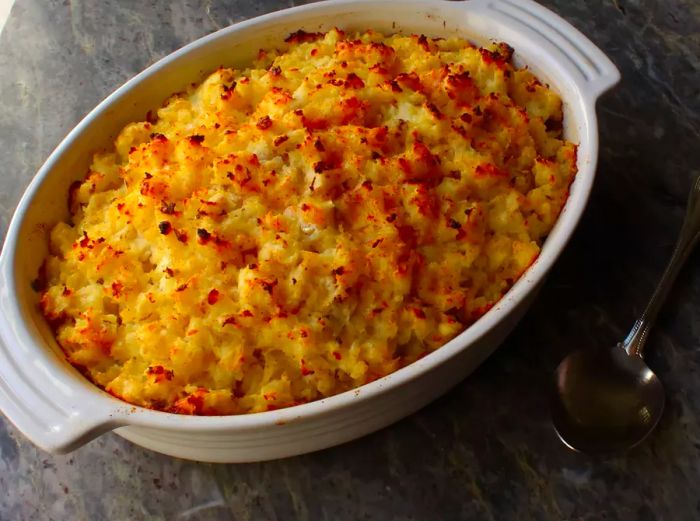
x=297, y=229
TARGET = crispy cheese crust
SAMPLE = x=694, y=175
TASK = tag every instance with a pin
x=297, y=229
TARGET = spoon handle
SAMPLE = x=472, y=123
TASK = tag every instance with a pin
x=688, y=237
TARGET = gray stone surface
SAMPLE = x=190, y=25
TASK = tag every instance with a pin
x=484, y=451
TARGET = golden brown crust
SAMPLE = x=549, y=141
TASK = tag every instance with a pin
x=302, y=227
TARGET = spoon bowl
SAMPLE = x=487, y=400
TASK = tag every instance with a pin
x=608, y=400
x=605, y=400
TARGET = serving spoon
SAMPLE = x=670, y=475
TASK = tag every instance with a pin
x=608, y=400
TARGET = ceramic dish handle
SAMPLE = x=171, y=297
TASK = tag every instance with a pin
x=33, y=397
x=591, y=69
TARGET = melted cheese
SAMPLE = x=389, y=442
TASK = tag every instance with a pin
x=299, y=228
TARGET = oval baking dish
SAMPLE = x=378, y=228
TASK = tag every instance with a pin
x=59, y=410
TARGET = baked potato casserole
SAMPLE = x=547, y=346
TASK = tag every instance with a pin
x=294, y=230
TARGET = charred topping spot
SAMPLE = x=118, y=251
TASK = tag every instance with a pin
x=423, y=42
x=169, y=271
x=305, y=371
x=228, y=90
x=264, y=123
x=196, y=139
x=353, y=81
x=321, y=166
x=454, y=224
x=167, y=208
x=268, y=286
x=165, y=227
x=340, y=270
x=405, y=165
x=318, y=145
x=117, y=289
x=279, y=140
x=375, y=155
x=160, y=373
x=147, y=175
x=391, y=218
x=410, y=80
x=301, y=36
x=252, y=266
x=203, y=234
x=315, y=124
x=181, y=236
x=213, y=297
x=500, y=56
x=275, y=71
x=434, y=110
x=418, y=312
x=246, y=313
x=376, y=243
x=182, y=287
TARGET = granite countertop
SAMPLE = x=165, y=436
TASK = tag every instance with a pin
x=486, y=450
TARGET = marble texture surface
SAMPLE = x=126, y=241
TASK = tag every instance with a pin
x=484, y=451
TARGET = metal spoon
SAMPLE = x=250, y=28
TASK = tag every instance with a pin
x=608, y=400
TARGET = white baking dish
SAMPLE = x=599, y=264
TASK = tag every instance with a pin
x=59, y=410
